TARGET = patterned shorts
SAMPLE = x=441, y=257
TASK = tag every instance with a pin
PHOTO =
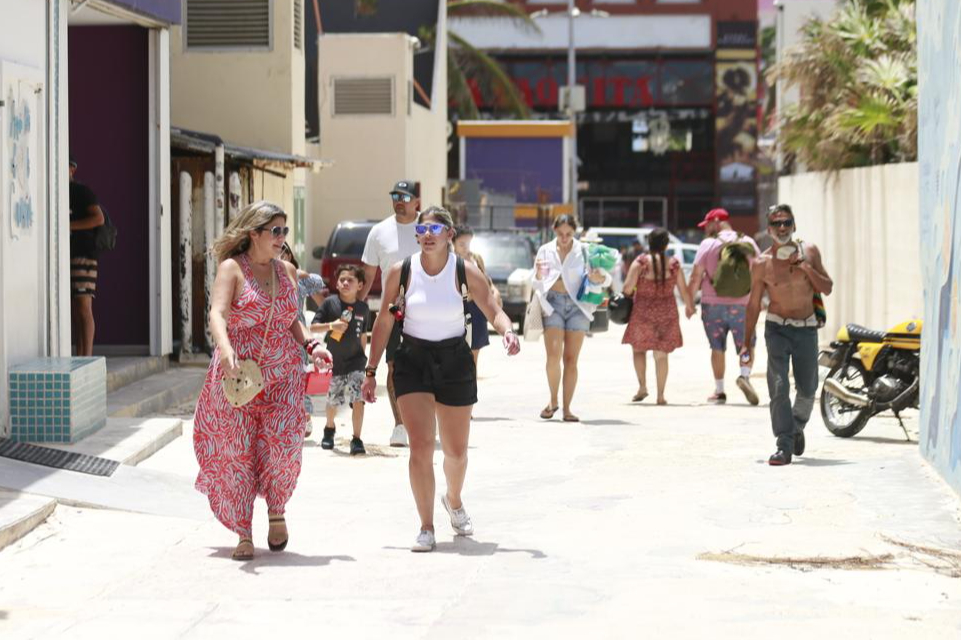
x=719, y=319
x=83, y=277
x=345, y=389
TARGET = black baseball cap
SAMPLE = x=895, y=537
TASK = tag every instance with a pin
x=408, y=187
x=73, y=161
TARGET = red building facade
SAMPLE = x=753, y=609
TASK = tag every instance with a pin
x=670, y=125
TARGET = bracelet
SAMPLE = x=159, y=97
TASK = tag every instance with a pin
x=309, y=346
x=370, y=372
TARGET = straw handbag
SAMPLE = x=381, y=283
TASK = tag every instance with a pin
x=533, y=319
x=250, y=381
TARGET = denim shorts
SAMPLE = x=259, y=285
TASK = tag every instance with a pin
x=567, y=315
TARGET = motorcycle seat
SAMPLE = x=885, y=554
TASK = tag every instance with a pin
x=857, y=333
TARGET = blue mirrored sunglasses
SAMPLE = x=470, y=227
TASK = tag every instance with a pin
x=435, y=229
x=277, y=231
x=401, y=197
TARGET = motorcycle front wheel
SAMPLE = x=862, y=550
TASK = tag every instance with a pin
x=842, y=419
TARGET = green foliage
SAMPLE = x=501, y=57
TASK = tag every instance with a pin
x=466, y=62
x=858, y=79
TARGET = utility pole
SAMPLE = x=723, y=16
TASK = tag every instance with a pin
x=572, y=114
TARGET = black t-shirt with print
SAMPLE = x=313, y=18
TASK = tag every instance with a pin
x=348, y=352
x=82, y=242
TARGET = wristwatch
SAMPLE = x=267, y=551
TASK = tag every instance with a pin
x=370, y=372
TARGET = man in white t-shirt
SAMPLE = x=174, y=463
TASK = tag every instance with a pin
x=391, y=241
x=722, y=315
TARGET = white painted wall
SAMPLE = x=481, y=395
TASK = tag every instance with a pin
x=790, y=18
x=590, y=32
x=251, y=98
x=866, y=223
x=371, y=152
x=34, y=279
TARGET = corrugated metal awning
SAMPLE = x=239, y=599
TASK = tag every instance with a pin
x=207, y=142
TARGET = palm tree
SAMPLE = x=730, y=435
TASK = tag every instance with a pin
x=857, y=75
x=465, y=62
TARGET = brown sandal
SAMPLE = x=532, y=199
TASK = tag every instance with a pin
x=280, y=546
x=638, y=397
x=548, y=413
x=244, y=550
x=570, y=417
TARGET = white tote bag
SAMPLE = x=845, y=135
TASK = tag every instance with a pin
x=533, y=320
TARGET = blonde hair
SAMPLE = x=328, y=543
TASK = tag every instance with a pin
x=236, y=239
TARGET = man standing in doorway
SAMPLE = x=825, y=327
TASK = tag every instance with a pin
x=791, y=273
x=724, y=311
x=85, y=217
x=391, y=241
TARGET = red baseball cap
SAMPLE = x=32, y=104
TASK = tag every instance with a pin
x=714, y=215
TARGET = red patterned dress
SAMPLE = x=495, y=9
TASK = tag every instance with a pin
x=654, y=324
x=256, y=449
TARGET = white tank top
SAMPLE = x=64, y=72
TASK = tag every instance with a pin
x=435, y=309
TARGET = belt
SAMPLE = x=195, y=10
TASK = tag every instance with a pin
x=810, y=321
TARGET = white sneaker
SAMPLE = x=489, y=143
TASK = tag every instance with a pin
x=399, y=437
x=425, y=542
x=459, y=519
x=744, y=384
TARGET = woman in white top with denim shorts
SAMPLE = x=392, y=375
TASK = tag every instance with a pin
x=434, y=374
x=560, y=268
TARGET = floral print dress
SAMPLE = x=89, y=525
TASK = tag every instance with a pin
x=654, y=324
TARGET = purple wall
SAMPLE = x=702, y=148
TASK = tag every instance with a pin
x=523, y=167
x=108, y=73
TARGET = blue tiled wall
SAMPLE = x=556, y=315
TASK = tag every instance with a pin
x=57, y=399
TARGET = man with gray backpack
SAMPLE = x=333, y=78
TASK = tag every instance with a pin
x=722, y=270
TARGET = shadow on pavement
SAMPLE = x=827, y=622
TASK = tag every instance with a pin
x=464, y=546
x=887, y=440
x=265, y=558
x=605, y=423
x=490, y=419
x=813, y=462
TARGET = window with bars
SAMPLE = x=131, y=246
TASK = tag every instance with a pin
x=228, y=24
x=363, y=96
x=299, y=24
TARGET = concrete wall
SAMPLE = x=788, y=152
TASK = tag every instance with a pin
x=34, y=275
x=939, y=38
x=253, y=98
x=371, y=152
x=865, y=221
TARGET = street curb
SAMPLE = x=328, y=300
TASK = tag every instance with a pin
x=10, y=533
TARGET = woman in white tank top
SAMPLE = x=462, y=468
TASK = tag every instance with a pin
x=434, y=375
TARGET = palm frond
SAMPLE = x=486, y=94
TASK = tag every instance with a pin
x=488, y=73
x=458, y=90
x=493, y=9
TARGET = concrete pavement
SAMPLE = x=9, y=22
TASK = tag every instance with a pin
x=641, y=521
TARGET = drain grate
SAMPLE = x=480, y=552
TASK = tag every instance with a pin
x=68, y=460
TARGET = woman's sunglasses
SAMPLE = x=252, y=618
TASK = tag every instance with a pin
x=401, y=197
x=276, y=232
x=785, y=224
x=435, y=229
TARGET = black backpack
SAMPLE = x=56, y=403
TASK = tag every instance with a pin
x=105, y=236
x=461, y=284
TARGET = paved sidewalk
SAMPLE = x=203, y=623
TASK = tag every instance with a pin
x=641, y=521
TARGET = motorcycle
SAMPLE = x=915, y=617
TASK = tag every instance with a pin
x=870, y=372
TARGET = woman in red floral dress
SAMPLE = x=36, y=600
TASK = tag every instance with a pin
x=254, y=449
x=654, y=324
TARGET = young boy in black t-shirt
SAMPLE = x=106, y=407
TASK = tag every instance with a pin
x=344, y=318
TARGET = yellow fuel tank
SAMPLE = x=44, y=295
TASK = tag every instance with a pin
x=906, y=335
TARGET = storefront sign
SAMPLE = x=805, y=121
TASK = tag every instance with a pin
x=610, y=83
x=737, y=35
x=736, y=127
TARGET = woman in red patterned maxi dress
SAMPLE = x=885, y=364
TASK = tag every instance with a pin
x=255, y=449
x=654, y=324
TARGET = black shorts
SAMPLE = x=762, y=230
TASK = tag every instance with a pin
x=444, y=369
x=392, y=343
